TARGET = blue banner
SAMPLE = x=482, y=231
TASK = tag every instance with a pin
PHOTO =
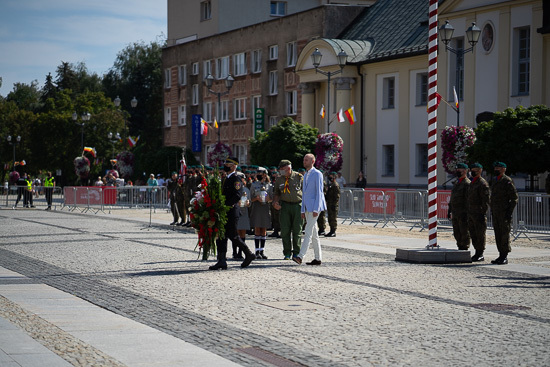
x=196, y=135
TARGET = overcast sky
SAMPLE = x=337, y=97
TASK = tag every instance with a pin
x=37, y=35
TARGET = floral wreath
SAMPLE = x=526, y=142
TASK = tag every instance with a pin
x=454, y=141
x=208, y=214
x=216, y=157
x=328, y=152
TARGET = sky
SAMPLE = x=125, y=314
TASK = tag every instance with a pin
x=37, y=35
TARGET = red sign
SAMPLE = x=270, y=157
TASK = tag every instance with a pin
x=443, y=198
x=378, y=199
x=90, y=195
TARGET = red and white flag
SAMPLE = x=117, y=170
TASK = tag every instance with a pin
x=204, y=127
x=341, y=117
x=322, y=112
x=456, y=98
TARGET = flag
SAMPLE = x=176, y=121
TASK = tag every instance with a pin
x=90, y=150
x=322, y=112
x=215, y=123
x=133, y=141
x=204, y=127
x=183, y=169
x=6, y=166
x=113, y=162
x=341, y=116
x=350, y=114
x=437, y=102
x=456, y=97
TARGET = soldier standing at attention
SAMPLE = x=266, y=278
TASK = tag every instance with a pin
x=176, y=199
x=458, y=207
x=504, y=198
x=333, y=200
x=478, y=203
x=287, y=191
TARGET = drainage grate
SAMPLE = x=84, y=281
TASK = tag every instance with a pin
x=498, y=307
x=269, y=357
x=293, y=305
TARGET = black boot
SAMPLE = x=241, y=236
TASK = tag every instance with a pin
x=249, y=255
x=502, y=259
x=222, y=253
x=331, y=234
x=478, y=256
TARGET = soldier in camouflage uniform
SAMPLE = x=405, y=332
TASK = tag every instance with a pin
x=478, y=203
x=458, y=207
x=176, y=200
x=332, y=197
x=504, y=198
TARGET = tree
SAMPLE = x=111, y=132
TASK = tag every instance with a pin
x=287, y=140
x=519, y=137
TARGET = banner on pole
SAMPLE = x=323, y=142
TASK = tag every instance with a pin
x=259, y=121
x=196, y=134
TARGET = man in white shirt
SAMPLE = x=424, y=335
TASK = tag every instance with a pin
x=341, y=180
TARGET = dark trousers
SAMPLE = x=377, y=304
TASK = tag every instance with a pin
x=231, y=234
x=460, y=230
x=48, y=192
x=502, y=227
x=477, y=226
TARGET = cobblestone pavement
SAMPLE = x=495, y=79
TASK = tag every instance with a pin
x=360, y=308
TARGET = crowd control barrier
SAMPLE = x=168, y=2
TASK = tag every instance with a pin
x=11, y=193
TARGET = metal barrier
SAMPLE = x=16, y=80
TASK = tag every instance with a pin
x=532, y=215
x=10, y=195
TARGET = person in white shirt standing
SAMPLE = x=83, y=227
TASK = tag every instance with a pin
x=341, y=180
x=313, y=203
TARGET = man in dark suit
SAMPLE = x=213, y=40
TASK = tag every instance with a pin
x=232, y=190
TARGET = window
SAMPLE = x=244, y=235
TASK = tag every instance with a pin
x=167, y=77
x=207, y=111
x=422, y=160
x=273, y=83
x=195, y=94
x=456, y=70
x=207, y=68
x=256, y=61
x=273, y=52
x=182, y=74
x=388, y=157
x=272, y=121
x=256, y=103
x=389, y=92
x=421, y=89
x=195, y=68
x=222, y=67
x=167, y=117
x=224, y=111
x=240, y=152
x=522, y=51
x=292, y=102
x=206, y=10
x=240, y=109
x=278, y=8
x=239, y=62
x=291, y=54
x=182, y=116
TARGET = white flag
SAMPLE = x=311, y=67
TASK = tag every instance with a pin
x=341, y=117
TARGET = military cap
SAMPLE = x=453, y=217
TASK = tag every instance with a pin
x=476, y=165
x=462, y=165
x=284, y=163
x=333, y=174
x=499, y=164
x=231, y=160
x=174, y=173
x=239, y=168
x=244, y=166
x=273, y=168
x=262, y=169
x=301, y=169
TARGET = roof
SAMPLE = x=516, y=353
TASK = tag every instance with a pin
x=392, y=28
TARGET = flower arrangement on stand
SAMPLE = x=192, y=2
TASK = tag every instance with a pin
x=454, y=141
x=125, y=164
x=82, y=167
x=14, y=176
x=328, y=152
x=208, y=214
x=216, y=157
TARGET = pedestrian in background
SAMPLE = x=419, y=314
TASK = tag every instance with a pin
x=341, y=180
x=504, y=198
x=313, y=203
x=21, y=189
x=49, y=184
x=478, y=203
x=458, y=207
x=361, y=182
x=287, y=192
x=176, y=200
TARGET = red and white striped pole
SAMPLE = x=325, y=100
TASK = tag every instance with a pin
x=432, y=126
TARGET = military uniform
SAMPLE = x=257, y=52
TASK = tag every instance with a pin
x=332, y=197
x=289, y=192
x=176, y=201
x=458, y=207
x=504, y=198
x=478, y=203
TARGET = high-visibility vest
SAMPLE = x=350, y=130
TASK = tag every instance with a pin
x=29, y=185
x=48, y=182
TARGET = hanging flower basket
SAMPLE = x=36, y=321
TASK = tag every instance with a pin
x=218, y=155
x=454, y=141
x=14, y=176
x=328, y=152
x=125, y=164
x=82, y=167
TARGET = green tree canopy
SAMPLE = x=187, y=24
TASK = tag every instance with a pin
x=519, y=137
x=287, y=140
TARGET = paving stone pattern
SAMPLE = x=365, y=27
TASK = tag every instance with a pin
x=375, y=311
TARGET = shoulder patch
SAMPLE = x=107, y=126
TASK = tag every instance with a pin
x=237, y=185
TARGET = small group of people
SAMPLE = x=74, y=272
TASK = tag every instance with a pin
x=469, y=203
x=27, y=188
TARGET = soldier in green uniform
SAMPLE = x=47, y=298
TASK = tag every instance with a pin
x=504, y=198
x=478, y=203
x=287, y=191
x=321, y=218
x=332, y=197
x=458, y=207
x=176, y=200
x=187, y=194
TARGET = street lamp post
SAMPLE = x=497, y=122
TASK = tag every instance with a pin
x=209, y=80
x=113, y=141
x=133, y=103
x=446, y=35
x=85, y=117
x=316, y=60
x=13, y=143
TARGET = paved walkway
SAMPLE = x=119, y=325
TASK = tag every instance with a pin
x=117, y=289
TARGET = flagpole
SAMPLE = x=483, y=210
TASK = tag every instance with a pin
x=432, y=125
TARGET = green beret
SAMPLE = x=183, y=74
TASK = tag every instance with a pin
x=462, y=165
x=499, y=164
x=333, y=174
x=174, y=173
x=284, y=163
x=273, y=168
x=476, y=165
x=244, y=166
x=301, y=169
